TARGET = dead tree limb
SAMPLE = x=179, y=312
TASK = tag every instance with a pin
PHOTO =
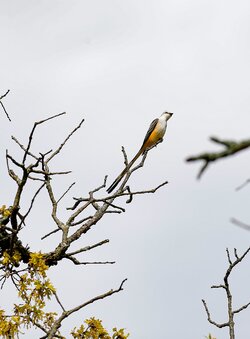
x=230, y=148
x=233, y=262
x=3, y=107
x=66, y=314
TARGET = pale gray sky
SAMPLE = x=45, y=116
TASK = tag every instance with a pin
x=119, y=64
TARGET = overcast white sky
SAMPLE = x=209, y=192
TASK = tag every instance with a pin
x=120, y=64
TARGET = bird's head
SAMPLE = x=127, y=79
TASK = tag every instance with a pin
x=167, y=115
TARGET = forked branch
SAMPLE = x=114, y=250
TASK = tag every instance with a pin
x=3, y=107
x=232, y=263
x=230, y=148
x=65, y=314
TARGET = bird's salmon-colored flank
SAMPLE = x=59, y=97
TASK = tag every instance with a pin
x=153, y=136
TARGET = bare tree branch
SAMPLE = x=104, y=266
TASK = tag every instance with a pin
x=23, y=148
x=50, y=233
x=218, y=286
x=65, y=141
x=88, y=248
x=65, y=314
x=63, y=195
x=31, y=204
x=230, y=148
x=50, y=173
x=59, y=302
x=117, y=195
x=240, y=224
x=33, y=131
x=77, y=262
x=4, y=95
x=209, y=317
x=243, y=185
x=53, y=200
x=3, y=107
x=226, y=286
x=81, y=221
x=241, y=308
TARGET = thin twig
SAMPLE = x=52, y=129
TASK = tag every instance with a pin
x=50, y=233
x=88, y=248
x=80, y=221
x=77, y=262
x=51, y=173
x=58, y=300
x=241, y=308
x=33, y=130
x=243, y=185
x=125, y=156
x=3, y=107
x=4, y=95
x=63, y=195
x=209, y=317
x=240, y=224
x=119, y=194
x=31, y=204
x=64, y=142
x=23, y=148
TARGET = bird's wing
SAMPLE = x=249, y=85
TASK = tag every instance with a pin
x=150, y=130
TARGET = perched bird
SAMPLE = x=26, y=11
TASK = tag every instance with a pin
x=153, y=136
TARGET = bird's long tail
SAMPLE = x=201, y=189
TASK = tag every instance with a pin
x=121, y=175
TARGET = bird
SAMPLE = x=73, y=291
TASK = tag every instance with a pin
x=153, y=136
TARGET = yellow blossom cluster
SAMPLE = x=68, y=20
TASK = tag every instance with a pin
x=5, y=212
x=34, y=289
x=95, y=330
